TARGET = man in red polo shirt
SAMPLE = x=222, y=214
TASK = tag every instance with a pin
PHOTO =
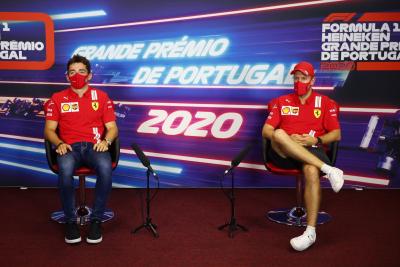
x=80, y=122
x=298, y=125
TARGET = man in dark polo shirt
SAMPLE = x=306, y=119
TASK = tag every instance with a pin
x=80, y=122
x=298, y=125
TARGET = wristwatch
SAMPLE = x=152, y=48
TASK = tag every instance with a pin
x=319, y=142
x=108, y=141
x=59, y=144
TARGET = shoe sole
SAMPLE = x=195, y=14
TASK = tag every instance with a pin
x=299, y=249
x=73, y=241
x=339, y=187
x=94, y=241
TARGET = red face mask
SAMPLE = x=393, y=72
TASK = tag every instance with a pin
x=301, y=88
x=78, y=81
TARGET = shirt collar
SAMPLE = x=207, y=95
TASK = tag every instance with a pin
x=72, y=94
x=309, y=100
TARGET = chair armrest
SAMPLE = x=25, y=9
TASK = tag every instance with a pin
x=114, y=152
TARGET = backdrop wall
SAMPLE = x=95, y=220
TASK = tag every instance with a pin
x=191, y=82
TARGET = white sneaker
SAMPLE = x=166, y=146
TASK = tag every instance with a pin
x=335, y=177
x=303, y=241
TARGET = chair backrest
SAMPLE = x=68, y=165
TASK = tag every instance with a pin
x=51, y=154
x=331, y=151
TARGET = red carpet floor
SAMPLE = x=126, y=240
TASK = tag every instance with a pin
x=365, y=230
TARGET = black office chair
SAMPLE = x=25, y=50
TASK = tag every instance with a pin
x=82, y=211
x=295, y=216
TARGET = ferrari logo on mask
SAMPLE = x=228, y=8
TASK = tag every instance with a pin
x=317, y=113
x=95, y=105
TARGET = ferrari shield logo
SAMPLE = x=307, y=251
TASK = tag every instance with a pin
x=95, y=105
x=317, y=113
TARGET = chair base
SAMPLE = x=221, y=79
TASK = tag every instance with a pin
x=82, y=215
x=296, y=216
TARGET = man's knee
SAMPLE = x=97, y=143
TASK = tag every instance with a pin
x=280, y=136
x=66, y=164
x=104, y=170
x=311, y=173
x=102, y=162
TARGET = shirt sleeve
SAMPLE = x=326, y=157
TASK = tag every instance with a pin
x=331, y=117
x=108, y=111
x=274, y=114
x=51, y=110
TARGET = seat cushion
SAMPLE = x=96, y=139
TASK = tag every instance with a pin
x=277, y=170
x=82, y=170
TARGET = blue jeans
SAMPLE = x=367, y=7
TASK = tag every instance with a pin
x=82, y=154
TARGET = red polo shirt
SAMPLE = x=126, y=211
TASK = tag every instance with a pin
x=316, y=117
x=80, y=119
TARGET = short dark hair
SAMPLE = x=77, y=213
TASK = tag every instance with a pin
x=79, y=59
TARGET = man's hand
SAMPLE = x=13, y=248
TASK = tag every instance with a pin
x=309, y=140
x=297, y=138
x=304, y=139
x=101, y=147
x=63, y=148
